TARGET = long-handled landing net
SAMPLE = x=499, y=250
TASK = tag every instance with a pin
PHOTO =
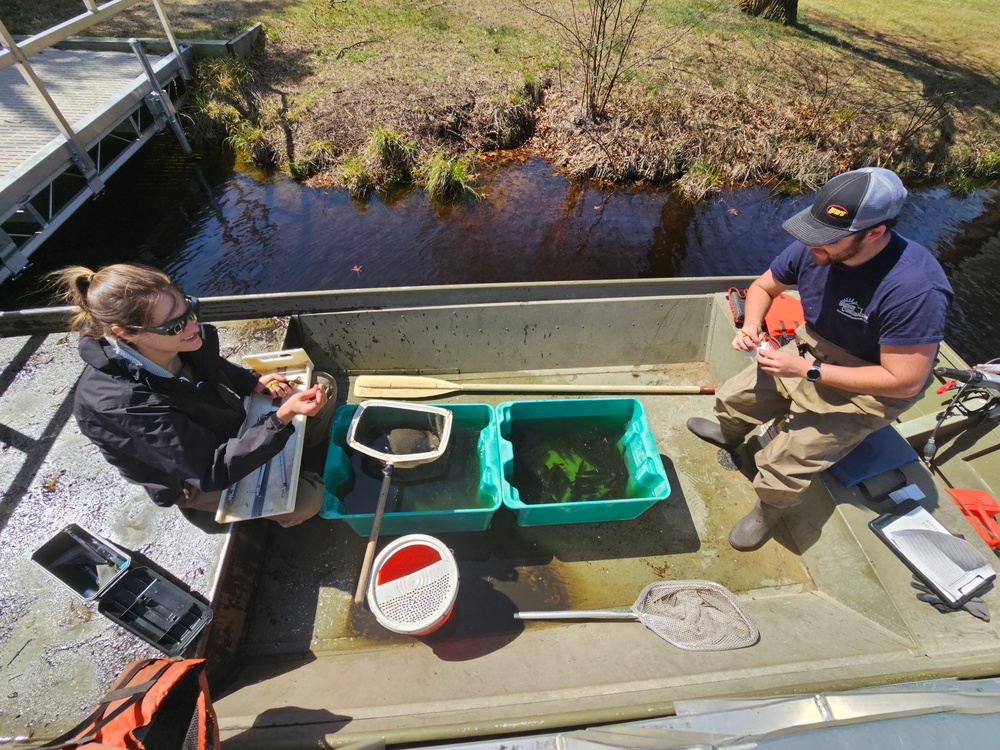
x=692, y=615
x=399, y=435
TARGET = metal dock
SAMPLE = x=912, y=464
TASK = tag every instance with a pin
x=69, y=118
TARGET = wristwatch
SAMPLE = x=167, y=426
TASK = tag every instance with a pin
x=813, y=373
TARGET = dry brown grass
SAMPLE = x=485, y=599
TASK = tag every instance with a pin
x=791, y=107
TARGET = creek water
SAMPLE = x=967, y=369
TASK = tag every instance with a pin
x=218, y=228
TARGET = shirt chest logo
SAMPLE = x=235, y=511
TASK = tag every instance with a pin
x=850, y=308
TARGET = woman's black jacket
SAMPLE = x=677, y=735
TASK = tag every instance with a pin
x=169, y=434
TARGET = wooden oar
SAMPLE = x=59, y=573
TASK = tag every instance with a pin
x=414, y=386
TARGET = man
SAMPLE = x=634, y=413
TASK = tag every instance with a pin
x=874, y=305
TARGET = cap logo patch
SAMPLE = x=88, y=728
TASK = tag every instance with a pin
x=836, y=212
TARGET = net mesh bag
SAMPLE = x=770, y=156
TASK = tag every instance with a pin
x=406, y=435
x=695, y=615
x=391, y=430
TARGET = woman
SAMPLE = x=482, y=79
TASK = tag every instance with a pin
x=164, y=407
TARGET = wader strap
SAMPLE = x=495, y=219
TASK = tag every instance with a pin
x=825, y=350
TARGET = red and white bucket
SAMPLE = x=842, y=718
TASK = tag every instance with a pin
x=413, y=585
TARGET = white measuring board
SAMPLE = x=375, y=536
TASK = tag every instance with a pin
x=238, y=504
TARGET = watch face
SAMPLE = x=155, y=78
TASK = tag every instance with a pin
x=812, y=374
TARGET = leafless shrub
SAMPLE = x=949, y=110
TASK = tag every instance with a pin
x=603, y=36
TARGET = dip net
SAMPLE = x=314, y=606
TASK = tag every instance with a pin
x=695, y=615
x=404, y=435
x=692, y=615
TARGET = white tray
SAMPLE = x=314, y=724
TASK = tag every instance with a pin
x=238, y=504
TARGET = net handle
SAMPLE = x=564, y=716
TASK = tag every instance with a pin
x=579, y=614
x=366, y=565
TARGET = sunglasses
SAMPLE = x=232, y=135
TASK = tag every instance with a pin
x=175, y=325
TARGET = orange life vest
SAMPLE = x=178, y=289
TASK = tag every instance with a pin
x=783, y=317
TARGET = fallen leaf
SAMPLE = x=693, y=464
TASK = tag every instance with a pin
x=51, y=484
x=734, y=211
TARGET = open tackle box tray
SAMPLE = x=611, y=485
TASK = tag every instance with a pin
x=139, y=598
x=242, y=502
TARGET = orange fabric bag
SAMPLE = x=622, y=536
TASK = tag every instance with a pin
x=156, y=704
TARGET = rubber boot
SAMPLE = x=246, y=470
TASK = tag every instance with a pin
x=712, y=432
x=755, y=527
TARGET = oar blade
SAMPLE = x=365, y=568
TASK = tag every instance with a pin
x=402, y=386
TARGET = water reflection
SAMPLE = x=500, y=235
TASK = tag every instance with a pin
x=220, y=231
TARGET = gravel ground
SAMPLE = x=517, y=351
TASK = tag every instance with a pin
x=58, y=655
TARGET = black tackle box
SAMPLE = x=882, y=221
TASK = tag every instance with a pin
x=140, y=598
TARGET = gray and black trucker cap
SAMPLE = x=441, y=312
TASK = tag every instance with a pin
x=848, y=203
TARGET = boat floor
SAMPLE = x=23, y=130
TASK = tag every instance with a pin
x=833, y=605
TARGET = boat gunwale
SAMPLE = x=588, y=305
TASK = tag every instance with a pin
x=226, y=308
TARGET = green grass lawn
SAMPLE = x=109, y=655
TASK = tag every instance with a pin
x=955, y=30
x=721, y=98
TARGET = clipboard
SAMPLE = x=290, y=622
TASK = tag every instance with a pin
x=240, y=502
x=954, y=569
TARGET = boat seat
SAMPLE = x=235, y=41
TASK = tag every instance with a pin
x=883, y=450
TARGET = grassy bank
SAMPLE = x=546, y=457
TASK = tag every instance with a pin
x=724, y=99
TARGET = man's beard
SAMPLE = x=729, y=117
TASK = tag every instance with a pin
x=827, y=258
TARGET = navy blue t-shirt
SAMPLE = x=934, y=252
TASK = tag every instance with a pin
x=898, y=298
